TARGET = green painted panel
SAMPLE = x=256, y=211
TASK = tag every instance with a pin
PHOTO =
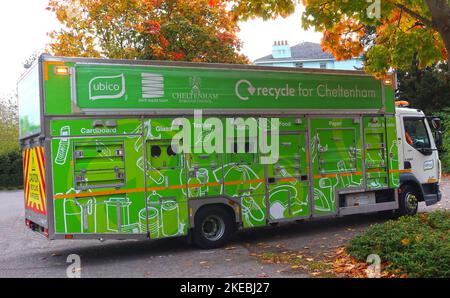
x=58, y=100
x=139, y=87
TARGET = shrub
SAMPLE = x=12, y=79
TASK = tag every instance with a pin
x=418, y=246
x=11, y=172
x=444, y=153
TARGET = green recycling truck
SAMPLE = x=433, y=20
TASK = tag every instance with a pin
x=116, y=148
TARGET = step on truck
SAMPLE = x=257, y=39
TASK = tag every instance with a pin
x=117, y=149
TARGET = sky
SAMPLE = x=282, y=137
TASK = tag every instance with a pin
x=24, y=25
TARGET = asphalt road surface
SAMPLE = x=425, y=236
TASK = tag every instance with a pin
x=26, y=254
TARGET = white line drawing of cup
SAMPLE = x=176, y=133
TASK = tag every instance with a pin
x=63, y=147
x=170, y=217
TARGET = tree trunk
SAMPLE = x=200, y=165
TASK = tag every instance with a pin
x=440, y=16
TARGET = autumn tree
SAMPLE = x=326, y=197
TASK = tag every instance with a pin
x=188, y=30
x=402, y=29
x=9, y=124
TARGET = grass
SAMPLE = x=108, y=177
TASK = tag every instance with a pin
x=418, y=246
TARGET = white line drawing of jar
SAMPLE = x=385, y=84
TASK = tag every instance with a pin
x=63, y=147
x=170, y=218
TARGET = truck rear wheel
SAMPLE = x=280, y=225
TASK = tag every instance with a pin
x=213, y=227
x=408, y=201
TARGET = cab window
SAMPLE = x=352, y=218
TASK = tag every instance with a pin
x=416, y=133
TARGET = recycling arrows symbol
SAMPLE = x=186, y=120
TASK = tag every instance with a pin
x=251, y=89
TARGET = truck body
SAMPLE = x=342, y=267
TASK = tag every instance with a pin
x=100, y=159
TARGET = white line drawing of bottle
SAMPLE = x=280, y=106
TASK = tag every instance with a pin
x=393, y=158
x=155, y=175
x=170, y=218
x=63, y=147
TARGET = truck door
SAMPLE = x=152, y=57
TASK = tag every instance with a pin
x=288, y=182
x=244, y=179
x=336, y=160
x=419, y=149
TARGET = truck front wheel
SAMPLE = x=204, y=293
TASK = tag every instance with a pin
x=409, y=201
x=213, y=227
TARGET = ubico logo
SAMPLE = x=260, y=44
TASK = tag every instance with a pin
x=107, y=87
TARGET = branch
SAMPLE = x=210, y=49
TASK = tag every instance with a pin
x=416, y=15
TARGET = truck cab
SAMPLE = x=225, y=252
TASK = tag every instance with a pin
x=420, y=167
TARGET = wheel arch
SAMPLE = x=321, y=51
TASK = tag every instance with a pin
x=411, y=180
x=230, y=205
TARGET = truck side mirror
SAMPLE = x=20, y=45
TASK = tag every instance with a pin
x=438, y=139
x=437, y=124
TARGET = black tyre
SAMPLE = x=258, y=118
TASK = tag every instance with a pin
x=408, y=201
x=213, y=227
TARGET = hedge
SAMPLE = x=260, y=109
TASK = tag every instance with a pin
x=11, y=172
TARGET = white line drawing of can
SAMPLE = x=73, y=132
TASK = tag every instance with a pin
x=170, y=218
x=63, y=147
x=153, y=221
